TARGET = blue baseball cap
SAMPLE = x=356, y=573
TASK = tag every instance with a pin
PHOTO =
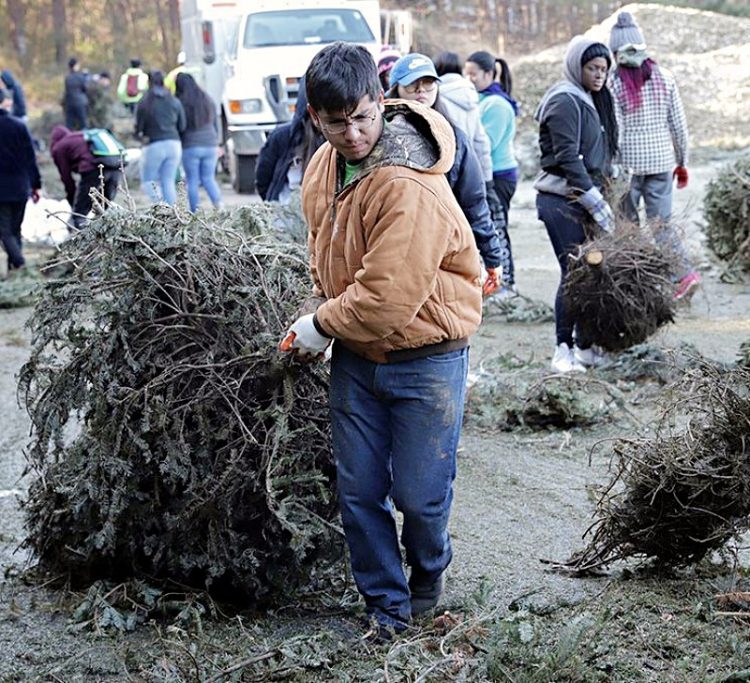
x=411, y=68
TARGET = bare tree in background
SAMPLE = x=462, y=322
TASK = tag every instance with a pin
x=17, y=27
x=59, y=31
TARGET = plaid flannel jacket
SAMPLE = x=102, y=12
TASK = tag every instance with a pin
x=654, y=138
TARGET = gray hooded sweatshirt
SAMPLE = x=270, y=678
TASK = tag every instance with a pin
x=571, y=137
x=461, y=100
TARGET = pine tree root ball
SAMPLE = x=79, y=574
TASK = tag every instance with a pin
x=619, y=289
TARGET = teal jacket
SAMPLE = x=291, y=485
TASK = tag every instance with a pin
x=499, y=120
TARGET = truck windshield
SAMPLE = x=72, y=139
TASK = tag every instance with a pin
x=306, y=27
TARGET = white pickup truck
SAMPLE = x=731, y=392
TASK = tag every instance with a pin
x=250, y=54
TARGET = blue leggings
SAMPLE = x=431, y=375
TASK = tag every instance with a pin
x=565, y=221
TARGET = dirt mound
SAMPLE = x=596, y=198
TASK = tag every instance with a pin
x=708, y=53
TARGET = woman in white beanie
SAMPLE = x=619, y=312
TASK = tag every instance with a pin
x=653, y=139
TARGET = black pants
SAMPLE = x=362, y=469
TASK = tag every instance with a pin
x=505, y=190
x=76, y=115
x=565, y=222
x=82, y=201
x=11, y=217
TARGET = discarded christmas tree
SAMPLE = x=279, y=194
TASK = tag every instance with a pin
x=684, y=492
x=620, y=289
x=170, y=438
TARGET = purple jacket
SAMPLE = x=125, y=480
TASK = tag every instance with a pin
x=71, y=154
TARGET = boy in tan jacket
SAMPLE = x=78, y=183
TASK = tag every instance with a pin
x=394, y=259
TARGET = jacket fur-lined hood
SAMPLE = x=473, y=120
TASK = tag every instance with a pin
x=414, y=136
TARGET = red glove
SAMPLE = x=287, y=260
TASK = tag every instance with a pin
x=492, y=283
x=681, y=174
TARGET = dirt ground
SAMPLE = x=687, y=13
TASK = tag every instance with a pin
x=521, y=496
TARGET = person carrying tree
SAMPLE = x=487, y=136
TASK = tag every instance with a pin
x=397, y=276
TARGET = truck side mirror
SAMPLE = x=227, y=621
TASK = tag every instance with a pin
x=209, y=47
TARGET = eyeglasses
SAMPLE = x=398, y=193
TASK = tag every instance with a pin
x=423, y=84
x=360, y=122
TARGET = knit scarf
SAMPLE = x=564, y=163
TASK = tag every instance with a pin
x=635, y=68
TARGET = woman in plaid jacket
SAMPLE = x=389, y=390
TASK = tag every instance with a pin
x=653, y=139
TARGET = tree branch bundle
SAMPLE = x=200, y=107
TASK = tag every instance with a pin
x=619, y=289
x=679, y=495
x=170, y=438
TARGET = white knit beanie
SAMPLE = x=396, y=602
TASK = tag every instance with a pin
x=625, y=32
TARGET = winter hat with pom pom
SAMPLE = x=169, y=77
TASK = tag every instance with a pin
x=625, y=32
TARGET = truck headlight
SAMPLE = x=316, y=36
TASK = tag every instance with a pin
x=245, y=106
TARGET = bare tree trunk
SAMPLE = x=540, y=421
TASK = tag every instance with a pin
x=117, y=14
x=59, y=31
x=174, y=18
x=17, y=28
x=165, y=42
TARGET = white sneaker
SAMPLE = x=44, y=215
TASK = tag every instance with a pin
x=564, y=360
x=590, y=357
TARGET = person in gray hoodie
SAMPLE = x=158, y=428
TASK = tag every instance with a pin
x=161, y=119
x=578, y=140
x=200, y=140
x=460, y=99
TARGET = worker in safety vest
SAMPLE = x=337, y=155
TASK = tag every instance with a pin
x=132, y=85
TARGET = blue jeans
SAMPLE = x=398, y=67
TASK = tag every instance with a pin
x=200, y=169
x=159, y=165
x=395, y=433
x=565, y=221
x=656, y=191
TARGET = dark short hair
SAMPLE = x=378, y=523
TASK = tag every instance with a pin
x=339, y=76
x=72, y=62
x=135, y=63
x=447, y=63
x=105, y=74
x=156, y=78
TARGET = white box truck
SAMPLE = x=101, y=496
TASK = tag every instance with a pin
x=250, y=54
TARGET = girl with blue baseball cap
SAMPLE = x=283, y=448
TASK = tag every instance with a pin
x=413, y=77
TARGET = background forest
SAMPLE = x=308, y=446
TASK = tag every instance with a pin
x=38, y=36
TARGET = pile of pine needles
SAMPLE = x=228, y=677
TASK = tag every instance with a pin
x=171, y=440
x=620, y=289
x=679, y=495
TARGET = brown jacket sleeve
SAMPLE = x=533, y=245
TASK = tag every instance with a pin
x=407, y=230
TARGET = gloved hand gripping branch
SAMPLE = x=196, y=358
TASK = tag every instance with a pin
x=304, y=339
x=598, y=208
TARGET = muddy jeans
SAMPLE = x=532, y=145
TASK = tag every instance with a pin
x=395, y=431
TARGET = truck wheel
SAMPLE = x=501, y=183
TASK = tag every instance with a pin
x=243, y=178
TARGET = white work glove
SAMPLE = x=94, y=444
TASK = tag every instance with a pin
x=304, y=339
x=600, y=211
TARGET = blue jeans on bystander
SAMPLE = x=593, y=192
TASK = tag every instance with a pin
x=395, y=433
x=200, y=169
x=159, y=165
